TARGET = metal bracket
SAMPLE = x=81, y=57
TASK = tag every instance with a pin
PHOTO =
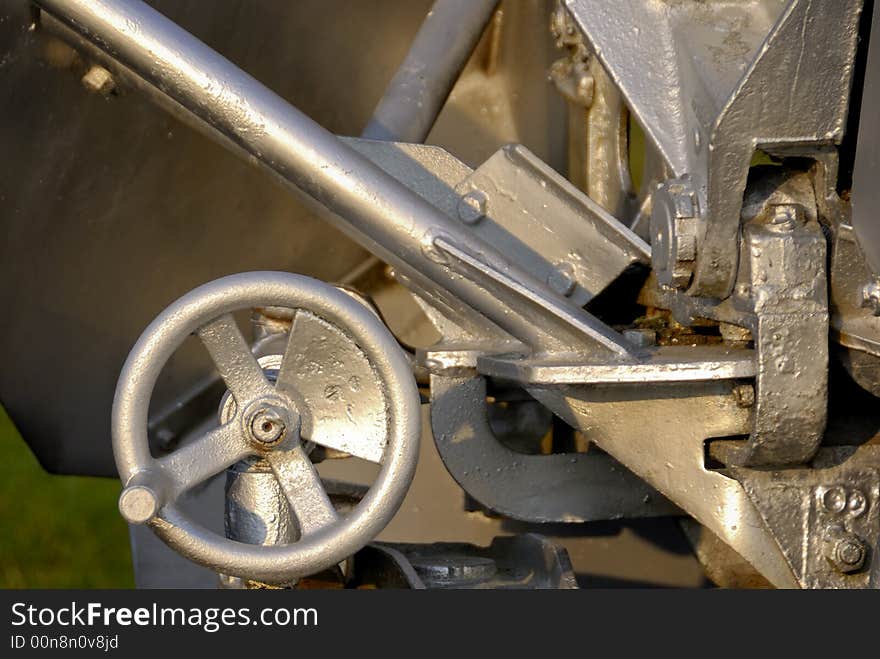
x=826, y=519
x=658, y=365
x=783, y=282
x=568, y=244
x=576, y=487
x=707, y=104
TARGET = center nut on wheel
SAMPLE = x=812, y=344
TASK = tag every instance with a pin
x=342, y=382
x=269, y=422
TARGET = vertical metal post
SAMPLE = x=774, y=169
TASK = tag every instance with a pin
x=418, y=91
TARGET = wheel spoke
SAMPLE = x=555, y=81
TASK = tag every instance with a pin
x=302, y=486
x=197, y=461
x=346, y=407
x=234, y=360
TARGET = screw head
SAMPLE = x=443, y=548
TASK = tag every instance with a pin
x=472, y=206
x=138, y=504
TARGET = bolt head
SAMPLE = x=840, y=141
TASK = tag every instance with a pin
x=138, y=504
x=846, y=551
x=472, y=206
x=674, y=218
x=562, y=279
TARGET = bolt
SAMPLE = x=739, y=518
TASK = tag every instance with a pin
x=744, y=395
x=849, y=554
x=268, y=424
x=138, y=504
x=785, y=217
x=844, y=550
x=472, y=207
x=674, y=224
x=641, y=338
x=871, y=296
x=562, y=278
x=99, y=80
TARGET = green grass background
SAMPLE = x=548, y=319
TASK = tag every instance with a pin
x=57, y=531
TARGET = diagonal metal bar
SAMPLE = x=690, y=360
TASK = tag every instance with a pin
x=234, y=360
x=419, y=89
x=302, y=486
x=373, y=208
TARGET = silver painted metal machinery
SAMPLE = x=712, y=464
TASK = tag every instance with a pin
x=697, y=300
x=342, y=383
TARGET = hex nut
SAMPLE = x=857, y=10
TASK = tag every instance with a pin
x=99, y=80
x=848, y=553
x=843, y=549
x=674, y=221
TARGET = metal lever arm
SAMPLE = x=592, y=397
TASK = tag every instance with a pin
x=372, y=207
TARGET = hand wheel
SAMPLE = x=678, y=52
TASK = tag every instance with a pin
x=343, y=383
